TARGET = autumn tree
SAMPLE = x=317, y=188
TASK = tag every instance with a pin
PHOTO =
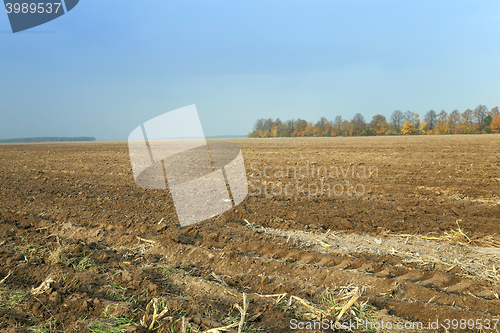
x=329, y=129
x=442, y=123
x=421, y=128
x=442, y=116
x=416, y=120
x=308, y=131
x=494, y=111
x=479, y=114
x=453, y=120
x=320, y=127
x=268, y=124
x=258, y=125
x=298, y=127
x=479, y=120
x=337, y=125
x=359, y=125
x=412, y=117
x=347, y=128
x=489, y=119
x=289, y=127
x=495, y=124
x=408, y=128
x=259, y=129
x=378, y=125
x=466, y=122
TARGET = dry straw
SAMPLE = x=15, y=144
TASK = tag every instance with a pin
x=150, y=321
x=43, y=286
x=459, y=237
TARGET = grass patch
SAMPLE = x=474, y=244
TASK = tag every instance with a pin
x=169, y=271
x=110, y=325
x=118, y=293
x=84, y=264
x=10, y=300
x=49, y=326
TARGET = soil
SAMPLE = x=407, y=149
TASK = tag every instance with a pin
x=414, y=231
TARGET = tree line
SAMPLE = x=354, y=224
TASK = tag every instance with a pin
x=479, y=120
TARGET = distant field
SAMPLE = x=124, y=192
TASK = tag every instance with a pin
x=409, y=223
x=49, y=139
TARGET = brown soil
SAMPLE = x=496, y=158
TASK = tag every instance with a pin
x=72, y=212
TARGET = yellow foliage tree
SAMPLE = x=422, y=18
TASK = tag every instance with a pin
x=495, y=124
x=408, y=128
x=378, y=125
x=421, y=127
x=441, y=129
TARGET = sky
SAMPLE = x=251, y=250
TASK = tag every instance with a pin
x=108, y=66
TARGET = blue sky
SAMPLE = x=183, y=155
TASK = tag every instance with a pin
x=108, y=66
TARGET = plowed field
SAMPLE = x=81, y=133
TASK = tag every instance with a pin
x=408, y=224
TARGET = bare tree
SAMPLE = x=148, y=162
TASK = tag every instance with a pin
x=415, y=120
x=408, y=116
x=397, y=120
x=453, y=120
x=494, y=111
x=359, y=124
x=480, y=113
x=430, y=119
x=338, y=123
x=442, y=117
x=322, y=123
x=258, y=125
x=467, y=116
